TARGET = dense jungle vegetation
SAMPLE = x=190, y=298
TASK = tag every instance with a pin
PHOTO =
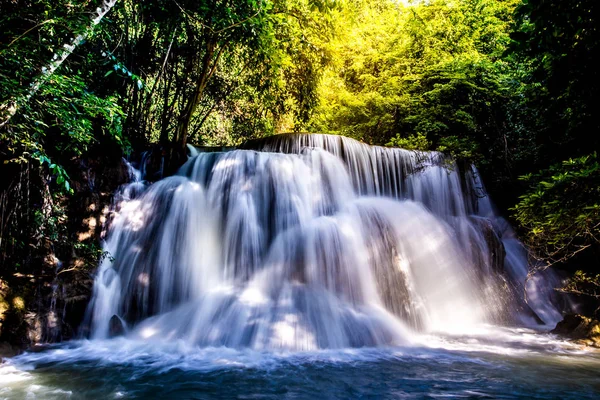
x=510, y=85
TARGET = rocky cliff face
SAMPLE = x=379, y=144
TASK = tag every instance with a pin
x=50, y=246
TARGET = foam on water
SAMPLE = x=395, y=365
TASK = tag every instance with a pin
x=507, y=363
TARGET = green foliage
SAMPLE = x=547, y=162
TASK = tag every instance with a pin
x=431, y=69
x=209, y=71
x=412, y=142
x=561, y=209
x=62, y=178
x=556, y=42
x=62, y=121
x=559, y=41
x=57, y=115
x=217, y=72
x=584, y=284
x=461, y=149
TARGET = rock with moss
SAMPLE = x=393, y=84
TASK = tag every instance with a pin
x=46, y=267
x=581, y=329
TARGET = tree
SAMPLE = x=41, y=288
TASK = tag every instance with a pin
x=48, y=111
x=9, y=109
x=559, y=41
x=561, y=210
x=434, y=70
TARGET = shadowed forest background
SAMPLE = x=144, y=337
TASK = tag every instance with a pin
x=508, y=85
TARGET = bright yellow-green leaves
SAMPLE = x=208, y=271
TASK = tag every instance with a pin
x=400, y=69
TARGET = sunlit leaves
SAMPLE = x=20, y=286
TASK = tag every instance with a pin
x=430, y=69
x=584, y=283
x=412, y=142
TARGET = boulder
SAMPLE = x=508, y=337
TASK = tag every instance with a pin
x=116, y=326
x=581, y=329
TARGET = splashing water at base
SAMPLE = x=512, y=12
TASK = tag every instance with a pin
x=493, y=363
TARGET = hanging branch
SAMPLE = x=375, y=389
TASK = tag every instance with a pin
x=11, y=108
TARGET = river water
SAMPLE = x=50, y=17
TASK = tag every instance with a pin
x=494, y=363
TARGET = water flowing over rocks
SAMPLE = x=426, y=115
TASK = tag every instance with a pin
x=306, y=242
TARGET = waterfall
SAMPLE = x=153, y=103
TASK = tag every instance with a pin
x=313, y=241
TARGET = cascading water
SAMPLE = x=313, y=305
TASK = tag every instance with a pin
x=307, y=242
x=257, y=272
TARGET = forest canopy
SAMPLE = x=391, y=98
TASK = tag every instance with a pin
x=509, y=85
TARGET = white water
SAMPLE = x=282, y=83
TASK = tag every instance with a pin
x=489, y=363
x=313, y=242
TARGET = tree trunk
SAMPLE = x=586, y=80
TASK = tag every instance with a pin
x=207, y=69
x=11, y=108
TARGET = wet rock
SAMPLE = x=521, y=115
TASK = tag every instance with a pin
x=581, y=329
x=116, y=326
x=45, y=284
x=496, y=252
x=161, y=160
x=9, y=350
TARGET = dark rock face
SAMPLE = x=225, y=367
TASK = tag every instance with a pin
x=116, y=326
x=159, y=161
x=8, y=350
x=581, y=329
x=46, y=283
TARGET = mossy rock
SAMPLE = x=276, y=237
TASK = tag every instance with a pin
x=581, y=329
